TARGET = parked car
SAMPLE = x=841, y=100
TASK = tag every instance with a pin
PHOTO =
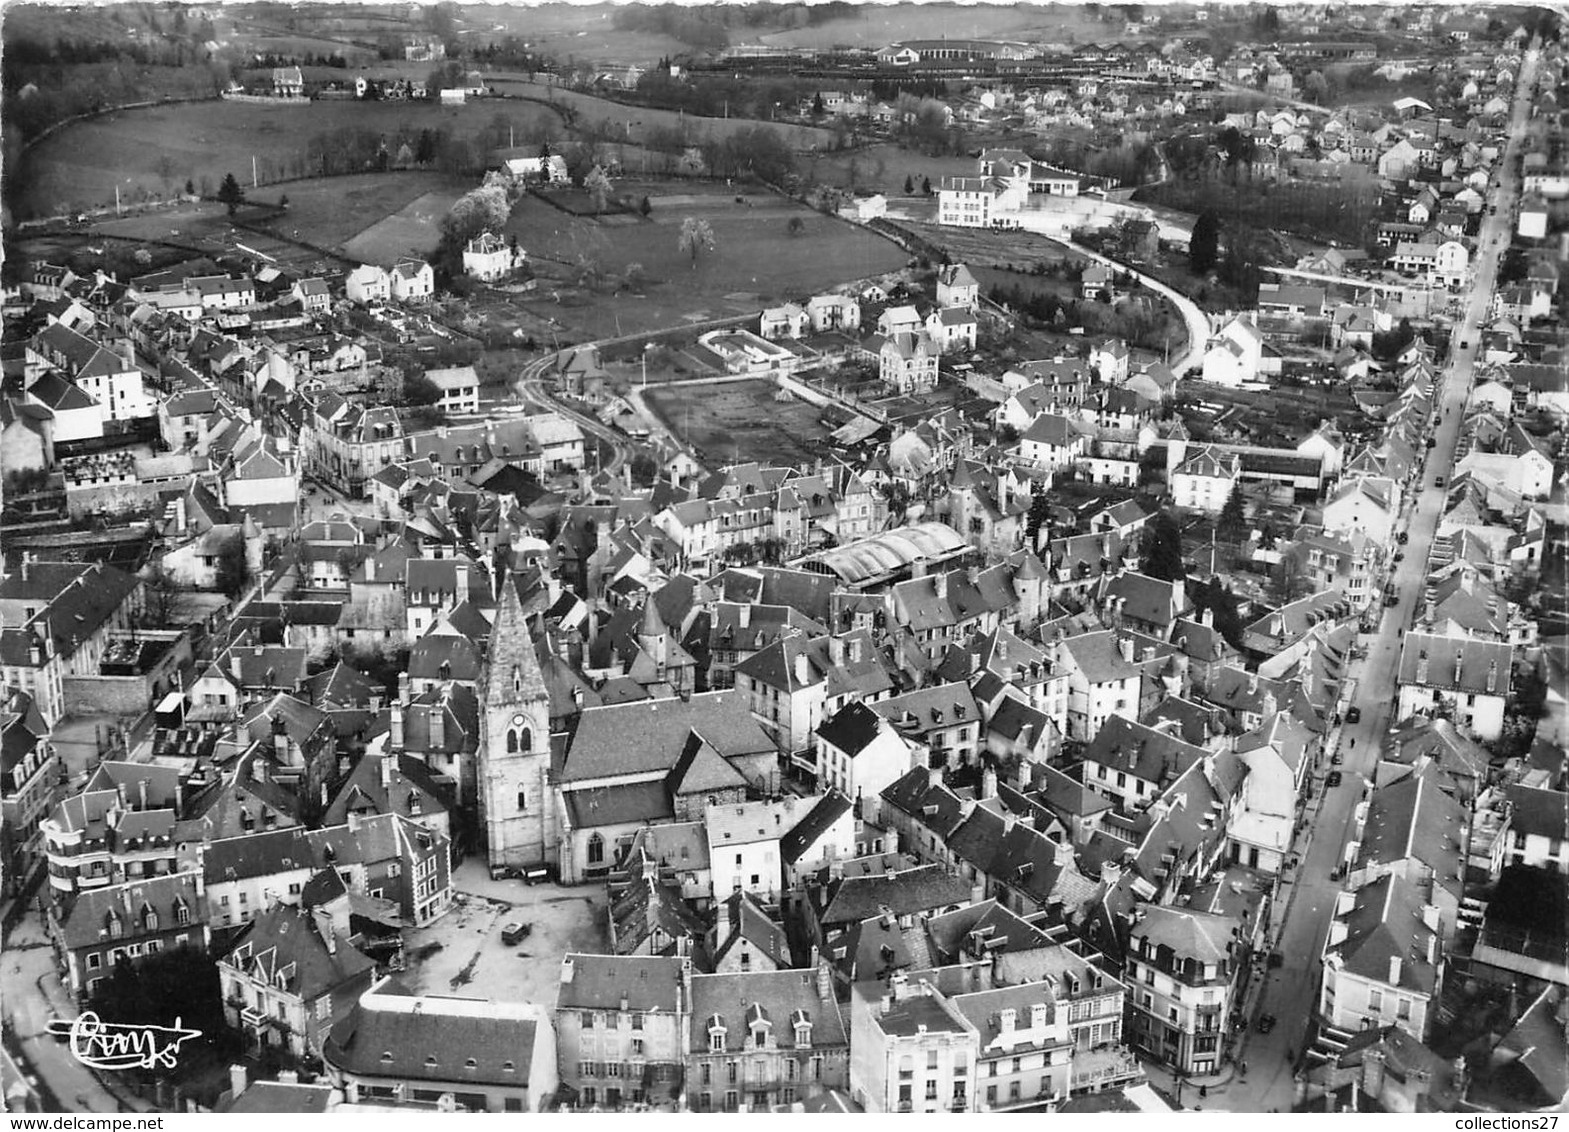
x=514, y=932
x=1334, y=779
x=1400, y=556
x=1391, y=599
x=1403, y=537
x=1438, y=481
x=1354, y=715
x=1266, y=1023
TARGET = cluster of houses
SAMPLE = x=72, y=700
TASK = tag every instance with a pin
x=910, y=780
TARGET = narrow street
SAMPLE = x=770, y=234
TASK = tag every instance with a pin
x=1291, y=991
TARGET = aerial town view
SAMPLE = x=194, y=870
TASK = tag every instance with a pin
x=784, y=557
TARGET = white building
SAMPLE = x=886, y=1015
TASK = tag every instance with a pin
x=1234, y=354
x=368, y=284
x=489, y=257
x=1206, y=479
x=1381, y=960
x=1464, y=677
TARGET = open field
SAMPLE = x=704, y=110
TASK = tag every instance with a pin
x=155, y=150
x=413, y=230
x=635, y=122
x=331, y=211
x=883, y=168
x=566, y=30
x=756, y=261
x=877, y=25
x=740, y=421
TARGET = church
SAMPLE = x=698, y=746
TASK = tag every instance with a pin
x=575, y=800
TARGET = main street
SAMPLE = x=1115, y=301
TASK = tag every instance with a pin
x=1291, y=991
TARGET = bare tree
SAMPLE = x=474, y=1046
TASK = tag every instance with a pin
x=597, y=184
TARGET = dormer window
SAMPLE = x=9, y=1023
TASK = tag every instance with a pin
x=803, y=1033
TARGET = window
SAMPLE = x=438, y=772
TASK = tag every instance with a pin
x=931, y=1059
x=522, y=801
x=94, y=961
x=931, y=1090
x=716, y=1041
x=637, y=1047
x=708, y=1073
x=596, y=849
x=1403, y=1010
x=1375, y=1001
x=732, y=1072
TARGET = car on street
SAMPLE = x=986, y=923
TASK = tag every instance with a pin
x=1403, y=537
x=1438, y=481
x=1333, y=779
x=1399, y=556
x=1354, y=715
x=1266, y=1023
x=514, y=932
x=1391, y=599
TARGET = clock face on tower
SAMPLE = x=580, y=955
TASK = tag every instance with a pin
x=518, y=719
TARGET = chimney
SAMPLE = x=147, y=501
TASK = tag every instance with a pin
x=142, y=794
x=405, y=688
x=386, y=762
x=1459, y=666
x=989, y=783
x=934, y=776
x=744, y=616
x=288, y=1077
x=1421, y=667
x=1207, y=618
x=353, y=821
x=1492, y=675
x=395, y=740
x=461, y=571
x=855, y=650
x=825, y=982
x=237, y=1079
x=1394, y=970
x=1125, y=647
x=235, y=667
x=280, y=745
x=370, y=568
x=437, y=720
x=1373, y=1072
x=803, y=668
x=940, y=583
x=836, y=650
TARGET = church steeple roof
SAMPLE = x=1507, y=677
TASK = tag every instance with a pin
x=512, y=672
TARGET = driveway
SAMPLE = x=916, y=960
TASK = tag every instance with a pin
x=1291, y=992
x=1193, y=315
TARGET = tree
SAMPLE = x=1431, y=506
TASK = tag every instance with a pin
x=696, y=236
x=597, y=185
x=1204, y=245
x=1039, y=514
x=645, y=206
x=926, y=186
x=1315, y=88
x=420, y=390
x=796, y=226
x=818, y=109
x=234, y=570
x=230, y=194
x=1233, y=516
x=160, y=593
x=909, y=185
x=479, y=210
x=1162, y=547
x=190, y=187
x=1288, y=581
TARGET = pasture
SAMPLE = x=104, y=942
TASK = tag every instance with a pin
x=566, y=30
x=633, y=123
x=373, y=217
x=413, y=230
x=876, y=25
x=740, y=421
x=883, y=168
x=154, y=151
x=756, y=259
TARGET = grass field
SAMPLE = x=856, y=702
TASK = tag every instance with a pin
x=876, y=25
x=755, y=261
x=414, y=229
x=740, y=421
x=883, y=168
x=331, y=211
x=634, y=122
x=157, y=149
